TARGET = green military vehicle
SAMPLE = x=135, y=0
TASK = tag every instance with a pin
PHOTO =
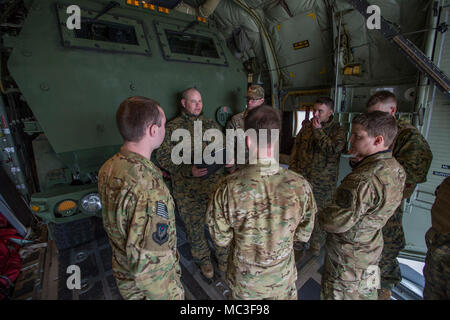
x=74, y=80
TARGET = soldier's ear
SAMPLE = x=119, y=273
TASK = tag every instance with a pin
x=183, y=103
x=393, y=109
x=379, y=141
x=152, y=130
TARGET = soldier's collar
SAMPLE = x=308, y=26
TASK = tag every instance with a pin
x=138, y=157
x=386, y=154
x=266, y=166
x=190, y=116
x=328, y=123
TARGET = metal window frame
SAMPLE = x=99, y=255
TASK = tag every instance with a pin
x=70, y=41
x=161, y=28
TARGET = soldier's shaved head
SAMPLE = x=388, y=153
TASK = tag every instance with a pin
x=185, y=93
x=191, y=101
x=382, y=101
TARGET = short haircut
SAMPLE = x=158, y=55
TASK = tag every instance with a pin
x=134, y=116
x=383, y=97
x=185, y=93
x=263, y=117
x=378, y=123
x=326, y=101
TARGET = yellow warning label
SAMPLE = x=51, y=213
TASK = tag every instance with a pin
x=301, y=45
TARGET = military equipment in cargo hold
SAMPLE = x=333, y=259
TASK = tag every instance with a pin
x=74, y=80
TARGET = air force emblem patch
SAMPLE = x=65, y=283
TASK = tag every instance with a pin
x=160, y=236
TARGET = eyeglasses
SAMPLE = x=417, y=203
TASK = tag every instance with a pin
x=253, y=99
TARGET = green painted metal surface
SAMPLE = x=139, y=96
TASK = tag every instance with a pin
x=49, y=200
x=75, y=91
x=74, y=81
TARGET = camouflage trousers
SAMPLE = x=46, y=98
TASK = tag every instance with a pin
x=341, y=282
x=255, y=282
x=289, y=294
x=129, y=291
x=192, y=211
x=318, y=236
x=323, y=196
x=394, y=242
x=437, y=266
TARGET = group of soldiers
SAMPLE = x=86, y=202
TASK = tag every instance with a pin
x=257, y=213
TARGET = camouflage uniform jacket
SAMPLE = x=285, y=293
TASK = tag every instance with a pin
x=138, y=216
x=261, y=210
x=316, y=153
x=237, y=121
x=412, y=151
x=362, y=204
x=440, y=212
x=183, y=182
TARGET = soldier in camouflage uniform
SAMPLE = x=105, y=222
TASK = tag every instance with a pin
x=191, y=185
x=412, y=151
x=261, y=210
x=437, y=263
x=362, y=204
x=137, y=208
x=255, y=98
x=315, y=155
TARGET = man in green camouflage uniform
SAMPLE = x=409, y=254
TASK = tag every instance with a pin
x=362, y=204
x=261, y=210
x=315, y=155
x=437, y=263
x=412, y=151
x=137, y=208
x=191, y=185
x=255, y=98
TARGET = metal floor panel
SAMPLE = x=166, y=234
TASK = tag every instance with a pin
x=98, y=283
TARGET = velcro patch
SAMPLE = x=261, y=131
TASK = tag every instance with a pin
x=161, y=210
x=161, y=235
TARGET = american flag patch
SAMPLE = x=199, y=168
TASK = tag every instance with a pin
x=161, y=210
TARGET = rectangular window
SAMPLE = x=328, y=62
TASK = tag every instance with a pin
x=298, y=118
x=190, y=44
x=106, y=31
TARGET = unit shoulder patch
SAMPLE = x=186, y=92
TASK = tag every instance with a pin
x=161, y=235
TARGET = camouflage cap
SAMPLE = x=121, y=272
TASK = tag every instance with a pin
x=255, y=92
